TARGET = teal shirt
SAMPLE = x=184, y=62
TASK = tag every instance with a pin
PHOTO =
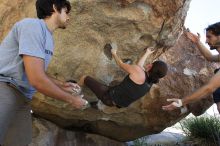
x=27, y=37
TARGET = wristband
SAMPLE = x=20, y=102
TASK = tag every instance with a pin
x=176, y=102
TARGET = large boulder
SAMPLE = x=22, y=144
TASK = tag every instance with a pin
x=133, y=25
x=187, y=72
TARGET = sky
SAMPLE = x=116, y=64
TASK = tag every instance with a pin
x=202, y=13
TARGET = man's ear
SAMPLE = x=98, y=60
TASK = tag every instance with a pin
x=54, y=8
x=148, y=67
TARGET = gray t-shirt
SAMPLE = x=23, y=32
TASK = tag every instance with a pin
x=27, y=37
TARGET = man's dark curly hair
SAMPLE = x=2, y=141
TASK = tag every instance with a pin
x=45, y=7
x=214, y=28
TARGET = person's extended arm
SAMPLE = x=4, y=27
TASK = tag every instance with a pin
x=142, y=60
x=66, y=86
x=34, y=68
x=126, y=67
x=56, y=81
x=205, y=90
x=204, y=50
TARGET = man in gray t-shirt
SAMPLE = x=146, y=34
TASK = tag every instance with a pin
x=24, y=40
x=25, y=54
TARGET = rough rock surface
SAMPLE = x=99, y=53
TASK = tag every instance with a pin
x=12, y=11
x=46, y=133
x=133, y=25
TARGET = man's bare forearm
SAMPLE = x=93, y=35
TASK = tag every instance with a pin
x=56, y=81
x=47, y=87
x=204, y=50
x=199, y=94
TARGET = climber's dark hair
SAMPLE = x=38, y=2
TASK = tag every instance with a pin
x=158, y=70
